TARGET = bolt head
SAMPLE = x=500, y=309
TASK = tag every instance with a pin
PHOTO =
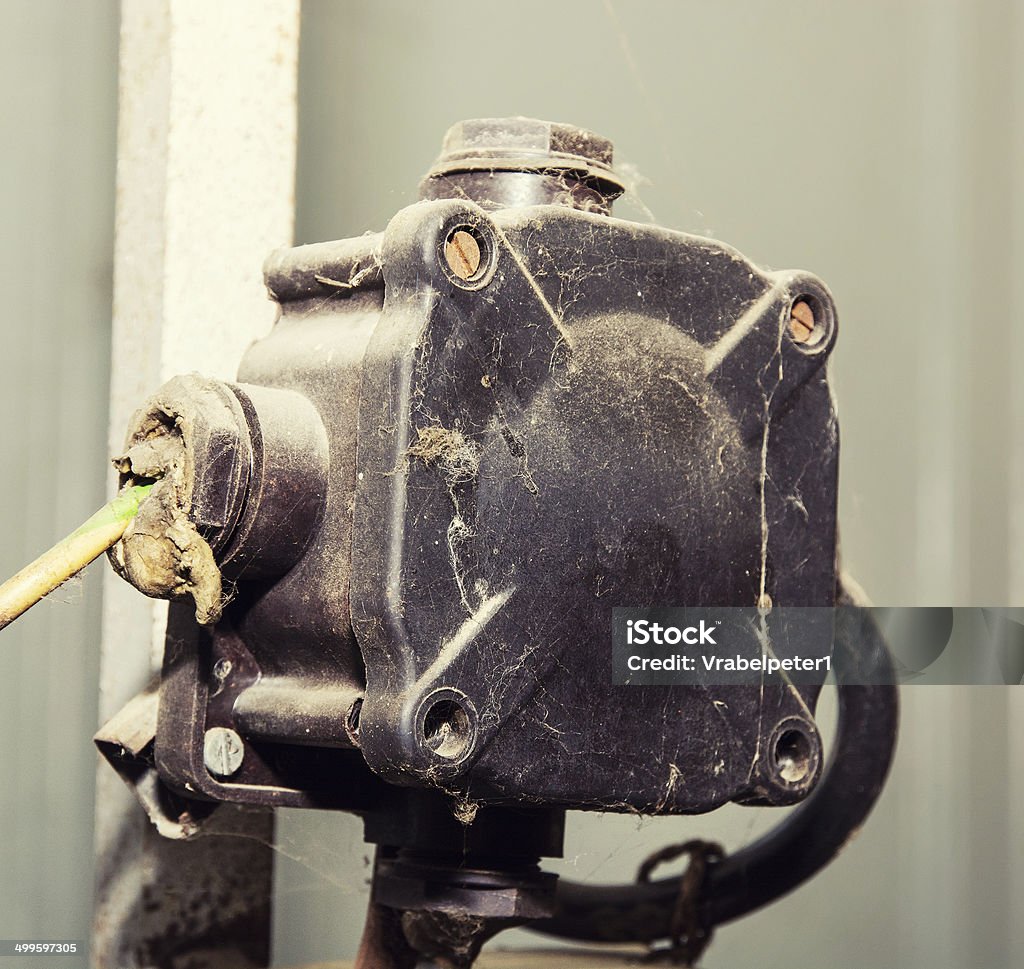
x=223, y=751
x=801, y=323
x=462, y=253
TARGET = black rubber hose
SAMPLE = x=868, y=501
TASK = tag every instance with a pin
x=798, y=848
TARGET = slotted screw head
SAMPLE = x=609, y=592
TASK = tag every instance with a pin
x=223, y=751
x=801, y=323
x=462, y=253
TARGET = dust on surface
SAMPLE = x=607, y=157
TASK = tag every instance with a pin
x=456, y=456
x=161, y=553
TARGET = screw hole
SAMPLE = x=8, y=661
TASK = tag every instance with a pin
x=794, y=755
x=447, y=729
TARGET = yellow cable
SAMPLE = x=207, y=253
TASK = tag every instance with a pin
x=70, y=555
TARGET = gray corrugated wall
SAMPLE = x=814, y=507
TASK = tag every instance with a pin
x=879, y=144
x=58, y=77
x=875, y=143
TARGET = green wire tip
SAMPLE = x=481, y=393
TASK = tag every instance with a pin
x=123, y=508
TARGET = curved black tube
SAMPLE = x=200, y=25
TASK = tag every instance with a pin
x=794, y=851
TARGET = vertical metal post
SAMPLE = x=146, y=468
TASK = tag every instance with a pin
x=205, y=188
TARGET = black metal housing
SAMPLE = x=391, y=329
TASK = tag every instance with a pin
x=465, y=441
x=607, y=414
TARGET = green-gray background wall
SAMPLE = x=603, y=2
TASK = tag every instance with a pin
x=879, y=144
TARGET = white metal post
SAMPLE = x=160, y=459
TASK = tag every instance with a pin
x=205, y=188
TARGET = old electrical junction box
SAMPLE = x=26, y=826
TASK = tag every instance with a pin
x=395, y=543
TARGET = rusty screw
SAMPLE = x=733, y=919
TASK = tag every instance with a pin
x=801, y=322
x=223, y=751
x=462, y=253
